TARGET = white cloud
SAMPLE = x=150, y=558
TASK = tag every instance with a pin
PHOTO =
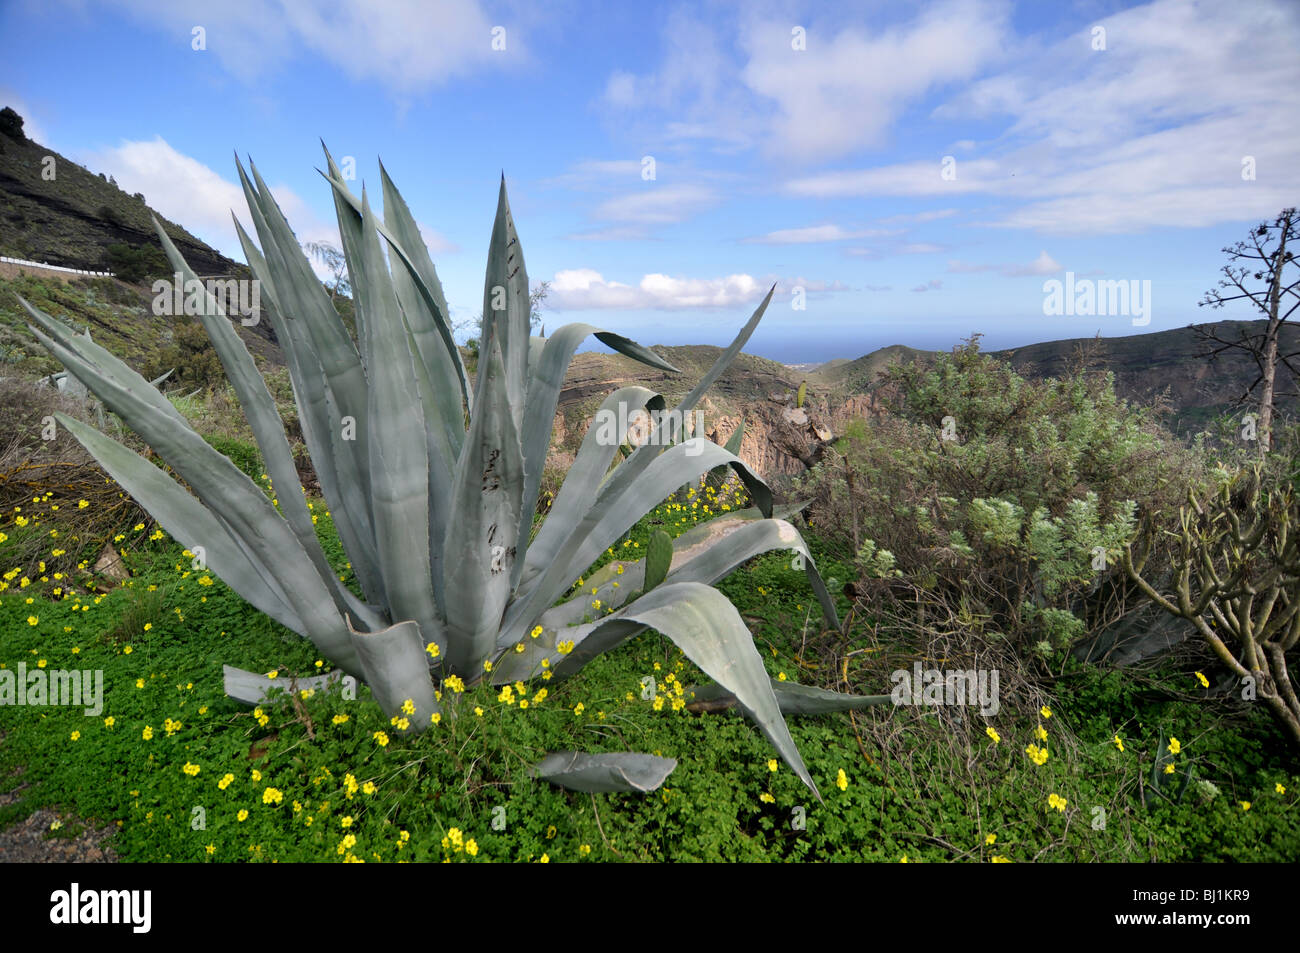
x=813, y=233
x=657, y=204
x=33, y=129
x=437, y=243
x=1044, y=264
x=581, y=289
x=598, y=173
x=934, y=284
x=1151, y=132
x=407, y=45
x=841, y=93
x=846, y=90
x=904, y=178
x=190, y=193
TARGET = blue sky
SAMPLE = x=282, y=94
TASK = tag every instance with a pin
x=919, y=170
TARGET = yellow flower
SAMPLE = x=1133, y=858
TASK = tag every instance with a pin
x=340, y=719
x=1169, y=769
x=1045, y=712
x=211, y=848
x=585, y=849
x=225, y=781
x=471, y=847
x=257, y=775
x=546, y=859
x=997, y=739
x=487, y=666
x=1174, y=746
x=76, y=735
x=579, y=708
x=767, y=798
x=380, y=738
x=147, y=733
x=771, y=764
x=82, y=504
x=436, y=718
x=1119, y=744
x=1036, y=754
x=110, y=721
x=408, y=707
x=139, y=683
x=32, y=620
x=990, y=839
x=478, y=711
x=564, y=648
x=842, y=780
x=995, y=859
x=1040, y=733
x=433, y=650
x=1279, y=788
x=1245, y=805
x=1205, y=682
x=537, y=630
x=346, y=822
x=242, y=815
x=128, y=650
x=1057, y=802
x=272, y=796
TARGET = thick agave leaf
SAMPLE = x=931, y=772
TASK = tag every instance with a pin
x=314, y=417
x=396, y=667
x=582, y=483
x=658, y=557
x=719, y=476
x=224, y=488
x=412, y=261
x=709, y=630
x=507, y=310
x=613, y=773
x=629, y=472
x=260, y=411
x=429, y=326
x=399, y=462
x=188, y=522
x=613, y=515
x=331, y=377
x=478, y=552
x=705, y=553
x=546, y=378
x=793, y=698
x=253, y=688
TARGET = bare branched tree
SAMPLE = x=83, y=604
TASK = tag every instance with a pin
x=335, y=263
x=1258, y=274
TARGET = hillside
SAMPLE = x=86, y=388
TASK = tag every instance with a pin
x=54, y=210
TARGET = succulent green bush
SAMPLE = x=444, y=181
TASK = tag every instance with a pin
x=433, y=486
x=1003, y=499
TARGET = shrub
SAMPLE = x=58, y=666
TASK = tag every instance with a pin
x=998, y=502
x=136, y=264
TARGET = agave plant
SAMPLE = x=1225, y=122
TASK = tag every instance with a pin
x=433, y=483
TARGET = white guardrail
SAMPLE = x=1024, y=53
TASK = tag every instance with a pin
x=39, y=264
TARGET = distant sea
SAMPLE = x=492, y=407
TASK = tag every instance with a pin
x=818, y=344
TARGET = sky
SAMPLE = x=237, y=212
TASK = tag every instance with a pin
x=904, y=173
